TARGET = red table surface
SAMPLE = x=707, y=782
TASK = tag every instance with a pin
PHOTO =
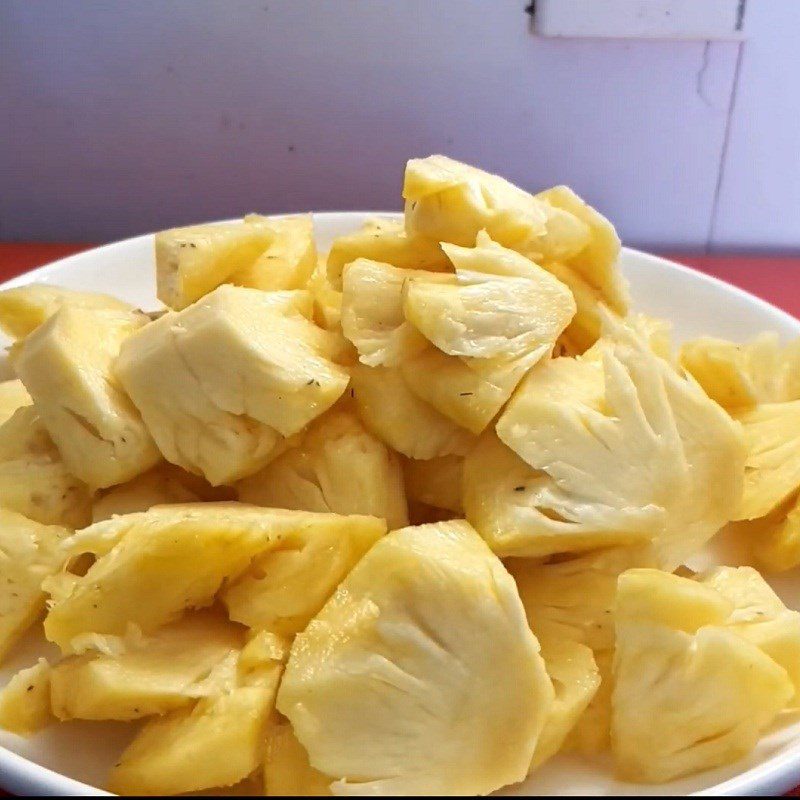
x=776, y=280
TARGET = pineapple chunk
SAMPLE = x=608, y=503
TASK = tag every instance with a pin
x=776, y=542
x=25, y=700
x=742, y=375
x=591, y=455
x=592, y=732
x=572, y=600
x=327, y=299
x=287, y=772
x=772, y=470
x=218, y=743
x=685, y=698
x=436, y=482
x=507, y=501
x=372, y=312
x=193, y=261
x=760, y=616
x=572, y=668
x=399, y=418
x=165, y=484
x=29, y=553
x=222, y=382
x=25, y=308
x=338, y=467
x=13, y=396
x=66, y=365
x=289, y=259
x=386, y=241
x=420, y=675
x=154, y=565
x=151, y=676
x=451, y=202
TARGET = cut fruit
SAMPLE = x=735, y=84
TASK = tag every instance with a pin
x=222, y=382
x=403, y=421
x=67, y=366
x=338, y=467
x=25, y=701
x=287, y=772
x=193, y=261
x=13, y=396
x=153, y=566
x=420, y=675
x=436, y=482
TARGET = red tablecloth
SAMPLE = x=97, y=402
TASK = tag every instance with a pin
x=774, y=279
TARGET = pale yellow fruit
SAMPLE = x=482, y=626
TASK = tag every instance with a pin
x=327, y=299
x=772, y=471
x=287, y=772
x=153, y=566
x=152, y=675
x=591, y=450
x=685, y=700
x=217, y=743
x=339, y=467
x=572, y=600
x=30, y=553
x=386, y=241
x=372, y=312
x=220, y=383
x=25, y=700
x=451, y=202
x=776, y=542
x=420, y=675
x=742, y=375
x=400, y=419
x=436, y=482
x=34, y=481
x=657, y=333
x=67, y=366
x=288, y=260
x=13, y=396
x=25, y=308
x=592, y=732
x=505, y=499
x=760, y=616
x=576, y=679
x=193, y=261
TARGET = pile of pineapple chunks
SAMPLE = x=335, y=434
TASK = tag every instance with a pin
x=409, y=517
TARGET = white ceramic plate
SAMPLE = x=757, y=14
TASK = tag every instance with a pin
x=72, y=759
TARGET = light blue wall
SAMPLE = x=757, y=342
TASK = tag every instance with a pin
x=119, y=117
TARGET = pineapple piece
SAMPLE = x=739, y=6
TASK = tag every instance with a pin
x=508, y=503
x=218, y=743
x=386, y=241
x=25, y=308
x=327, y=299
x=372, y=312
x=401, y=420
x=590, y=454
x=760, y=616
x=686, y=698
x=165, y=484
x=436, y=482
x=287, y=772
x=776, y=542
x=420, y=675
x=153, y=566
x=451, y=202
x=338, y=467
x=772, y=470
x=283, y=589
x=13, y=396
x=576, y=679
x=485, y=315
x=738, y=376
x=193, y=261
x=657, y=333
x=220, y=383
x=29, y=553
x=592, y=732
x=573, y=600
x=289, y=259
x=151, y=676
x=66, y=365
x=25, y=700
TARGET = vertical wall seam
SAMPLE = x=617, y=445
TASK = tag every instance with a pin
x=723, y=156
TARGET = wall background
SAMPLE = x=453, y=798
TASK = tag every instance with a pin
x=118, y=118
